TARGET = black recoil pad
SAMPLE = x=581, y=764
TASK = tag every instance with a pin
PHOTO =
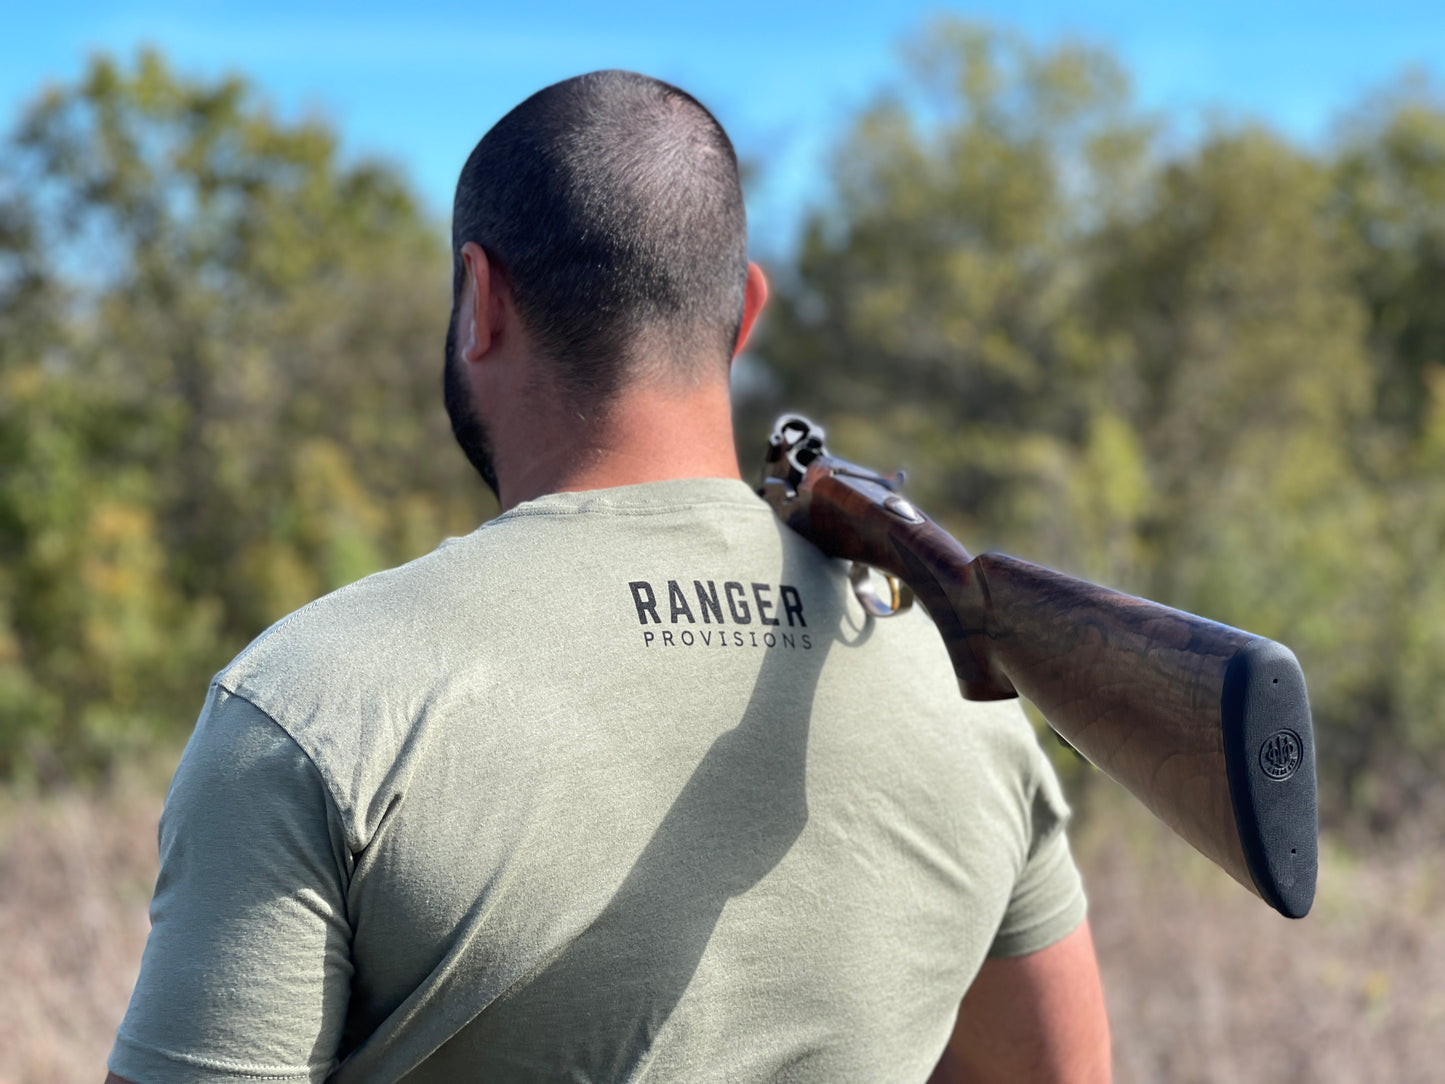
x=1269, y=754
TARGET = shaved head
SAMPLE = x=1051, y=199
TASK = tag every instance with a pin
x=612, y=206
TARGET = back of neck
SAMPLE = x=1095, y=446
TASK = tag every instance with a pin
x=646, y=435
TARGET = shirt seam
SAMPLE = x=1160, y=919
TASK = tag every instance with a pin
x=1076, y=901
x=241, y=692
x=219, y=1065
x=659, y=510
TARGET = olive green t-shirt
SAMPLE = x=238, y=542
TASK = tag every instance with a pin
x=622, y=786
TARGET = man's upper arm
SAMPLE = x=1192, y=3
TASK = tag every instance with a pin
x=247, y=968
x=1037, y=1017
x=1035, y=1011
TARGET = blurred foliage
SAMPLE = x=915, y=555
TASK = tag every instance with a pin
x=1215, y=378
x=220, y=352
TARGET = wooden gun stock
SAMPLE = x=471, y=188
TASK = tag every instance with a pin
x=1208, y=726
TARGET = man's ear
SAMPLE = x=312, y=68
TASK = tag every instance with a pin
x=755, y=294
x=481, y=307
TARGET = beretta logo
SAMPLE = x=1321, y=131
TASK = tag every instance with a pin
x=737, y=615
x=1280, y=754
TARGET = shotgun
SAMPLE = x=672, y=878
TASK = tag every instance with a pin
x=1206, y=725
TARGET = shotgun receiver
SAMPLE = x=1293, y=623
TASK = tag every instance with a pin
x=1208, y=726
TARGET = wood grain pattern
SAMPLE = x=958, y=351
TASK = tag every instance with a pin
x=1136, y=687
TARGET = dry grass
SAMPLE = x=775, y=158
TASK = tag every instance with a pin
x=76, y=873
x=1204, y=983
x=1207, y=984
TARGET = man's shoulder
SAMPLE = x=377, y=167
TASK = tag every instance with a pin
x=424, y=611
x=361, y=636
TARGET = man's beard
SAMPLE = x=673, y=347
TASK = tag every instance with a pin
x=471, y=434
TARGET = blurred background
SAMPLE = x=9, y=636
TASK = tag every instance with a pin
x=1154, y=297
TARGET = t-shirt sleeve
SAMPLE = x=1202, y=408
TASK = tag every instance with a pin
x=247, y=969
x=1048, y=900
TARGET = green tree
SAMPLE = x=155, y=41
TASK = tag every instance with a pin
x=937, y=315
x=1249, y=386
x=225, y=402
x=933, y=312
x=1195, y=376
x=1390, y=179
x=1389, y=172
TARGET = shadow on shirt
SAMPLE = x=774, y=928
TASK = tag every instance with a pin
x=592, y=1012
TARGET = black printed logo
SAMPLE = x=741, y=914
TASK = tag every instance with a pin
x=1280, y=755
x=709, y=616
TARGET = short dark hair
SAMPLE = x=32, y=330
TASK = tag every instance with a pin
x=611, y=203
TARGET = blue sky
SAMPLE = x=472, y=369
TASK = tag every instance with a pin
x=418, y=83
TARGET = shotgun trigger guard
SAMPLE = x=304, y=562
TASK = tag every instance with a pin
x=901, y=594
